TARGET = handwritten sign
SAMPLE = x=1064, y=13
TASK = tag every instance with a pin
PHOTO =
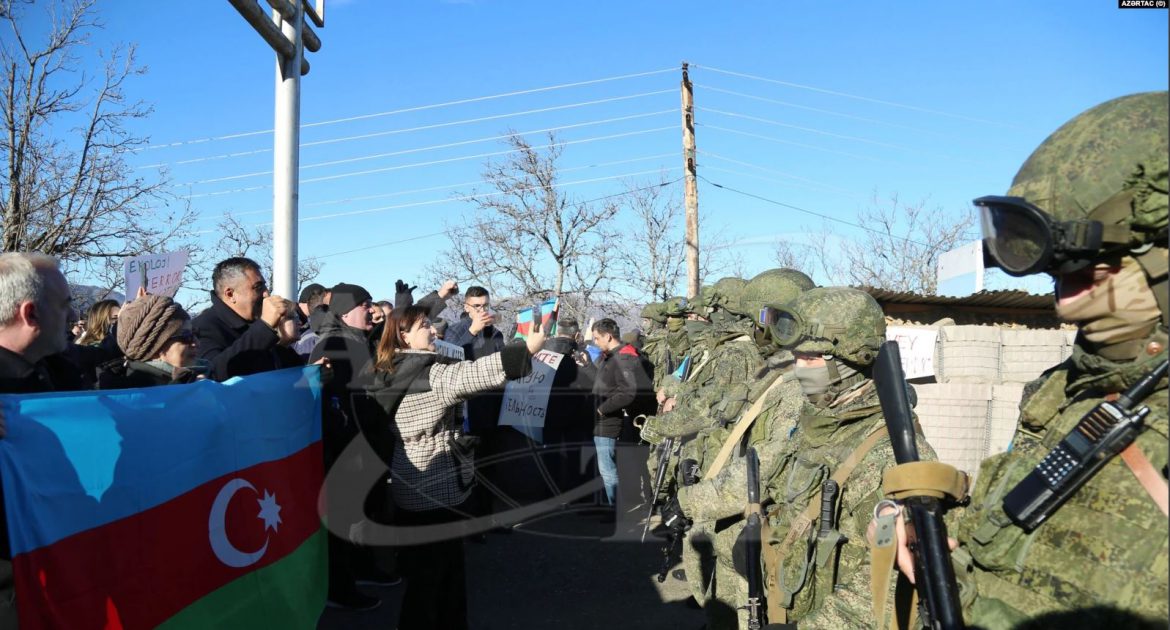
x=526, y=399
x=160, y=274
x=916, y=346
x=445, y=349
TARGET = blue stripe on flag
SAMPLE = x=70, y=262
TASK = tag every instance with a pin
x=92, y=458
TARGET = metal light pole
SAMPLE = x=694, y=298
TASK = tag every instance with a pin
x=288, y=35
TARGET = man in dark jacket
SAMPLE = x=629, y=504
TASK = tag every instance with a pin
x=568, y=423
x=237, y=334
x=621, y=392
x=34, y=309
x=343, y=331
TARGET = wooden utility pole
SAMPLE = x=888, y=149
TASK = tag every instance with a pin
x=692, y=185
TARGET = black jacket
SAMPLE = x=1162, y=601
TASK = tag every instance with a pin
x=570, y=413
x=17, y=376
x=121, y=374
x=349, y=353
x=234, y=346
x=621, y=392
x=483, y=411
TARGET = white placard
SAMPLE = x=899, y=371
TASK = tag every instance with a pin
x=916, y=345
x=526, y=399
x=445, y=349
x=161, y=274
x=960, y=271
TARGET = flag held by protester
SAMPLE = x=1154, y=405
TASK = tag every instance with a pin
x=548, y=319
x=184, y=506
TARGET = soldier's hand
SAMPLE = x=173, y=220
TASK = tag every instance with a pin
x=905, y=556
x=668, y=404
x=273, y=309
x=673, y=517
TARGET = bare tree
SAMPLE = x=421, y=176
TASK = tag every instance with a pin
x=898, y=250
x=526, y=239
x=66, y=186
x=255, y=242
x=652, y=258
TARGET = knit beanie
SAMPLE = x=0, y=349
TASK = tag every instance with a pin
x=346, y=297
x=147, y=324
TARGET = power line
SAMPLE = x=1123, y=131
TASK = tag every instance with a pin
x=470, y=197
x=810, y=212
x=417, y=108
x=448, y=145
x=400, y=193
x=806, y=180
x=867, y=99
x=802, y=128
x=818, y=110
x=390, y=132
x=434, y=234
x=429, y=163
x=792, y=143
x=763, y=178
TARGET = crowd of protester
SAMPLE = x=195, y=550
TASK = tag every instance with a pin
x=429, y=416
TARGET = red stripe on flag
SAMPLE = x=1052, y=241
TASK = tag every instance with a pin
x=139, y=571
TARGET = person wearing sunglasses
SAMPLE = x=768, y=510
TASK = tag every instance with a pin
x=155, y=335
x=1068, y=528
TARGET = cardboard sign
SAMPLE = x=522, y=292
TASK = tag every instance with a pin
x=445, y=349
x=526, y=399
x=916, y=345
x=161, y=274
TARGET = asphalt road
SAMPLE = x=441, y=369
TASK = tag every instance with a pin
x=565, y=570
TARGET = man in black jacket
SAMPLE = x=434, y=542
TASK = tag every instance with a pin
x=34, y=309
x=621, y=392
x=568, y=423
x=237, y=334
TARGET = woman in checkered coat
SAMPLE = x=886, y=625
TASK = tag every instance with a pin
x=420, y=395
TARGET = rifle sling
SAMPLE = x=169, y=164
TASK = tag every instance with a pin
x=776, y=554
x=741, y=427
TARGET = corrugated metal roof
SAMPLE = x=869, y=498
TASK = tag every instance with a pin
x=996, y=299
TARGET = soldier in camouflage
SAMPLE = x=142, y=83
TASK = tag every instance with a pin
x=741, y=367
x=1100, y=560
x=816, y=579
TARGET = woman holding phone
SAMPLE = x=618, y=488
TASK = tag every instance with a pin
x=419, y=394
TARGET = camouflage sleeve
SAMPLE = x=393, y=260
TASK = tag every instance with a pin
x=850, y=605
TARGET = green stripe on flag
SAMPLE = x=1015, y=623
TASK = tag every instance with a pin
x=287, y=594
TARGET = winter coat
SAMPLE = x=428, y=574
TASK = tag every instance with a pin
x=421, y=436
x=232, y=345
x=621, y=392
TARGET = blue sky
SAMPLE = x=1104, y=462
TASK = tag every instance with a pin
x=937, y=100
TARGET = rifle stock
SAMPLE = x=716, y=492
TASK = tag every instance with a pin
x=926, y=533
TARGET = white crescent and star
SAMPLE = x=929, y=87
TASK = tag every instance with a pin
x=217, y=529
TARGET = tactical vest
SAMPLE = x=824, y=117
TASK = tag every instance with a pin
x=799, y=563
x=1107, y=546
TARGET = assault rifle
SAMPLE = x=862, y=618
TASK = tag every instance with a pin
x=751, y=537
x=926, y=533
x=667, y=452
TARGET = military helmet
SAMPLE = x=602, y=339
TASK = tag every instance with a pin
x=674, y=307
x=1095, y=186
x=839, y=321
x=728, y=291
x=653, y=312
x=774, y=286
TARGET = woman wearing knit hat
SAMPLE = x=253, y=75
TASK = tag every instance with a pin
x=155, y=335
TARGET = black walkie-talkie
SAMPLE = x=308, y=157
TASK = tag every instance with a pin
x=1102, y=433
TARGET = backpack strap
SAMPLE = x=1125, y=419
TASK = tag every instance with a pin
x=741, y=426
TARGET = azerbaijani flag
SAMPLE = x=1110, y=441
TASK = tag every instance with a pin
x=683, y=367
x=184, y=506
x=548, y=312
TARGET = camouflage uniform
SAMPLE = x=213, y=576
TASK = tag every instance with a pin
x=1101, y=559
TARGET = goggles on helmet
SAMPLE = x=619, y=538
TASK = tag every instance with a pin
x=1022, y=239
x=782, y=325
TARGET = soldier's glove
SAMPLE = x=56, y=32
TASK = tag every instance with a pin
x=673, y=517
x=649, y=433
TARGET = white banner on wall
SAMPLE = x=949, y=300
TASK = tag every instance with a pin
x=916, y=345
x=526, y=399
